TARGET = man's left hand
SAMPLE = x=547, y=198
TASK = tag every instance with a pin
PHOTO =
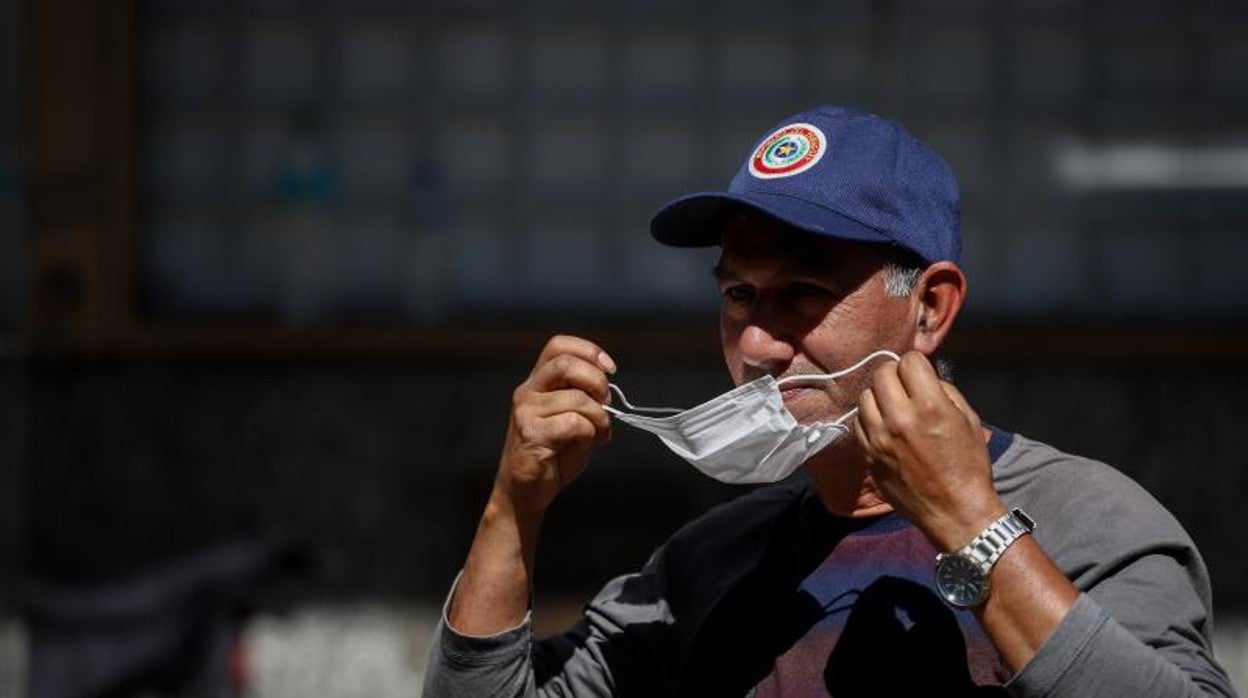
x=926, y=452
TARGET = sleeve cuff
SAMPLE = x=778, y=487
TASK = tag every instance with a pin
x=472, y=650
x=1061, y=650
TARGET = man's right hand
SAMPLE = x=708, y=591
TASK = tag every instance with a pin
x=556, y=419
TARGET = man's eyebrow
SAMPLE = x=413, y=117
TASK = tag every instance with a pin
x=816, y=267
x=804, y=266
x=722, y=273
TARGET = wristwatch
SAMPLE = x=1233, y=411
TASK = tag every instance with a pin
x=962, y=575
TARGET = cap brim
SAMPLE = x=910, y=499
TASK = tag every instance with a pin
x=697, y=220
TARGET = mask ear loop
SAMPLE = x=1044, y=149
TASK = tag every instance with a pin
x=832, y=376
x=791, y=379
x=624, y=401
x=839, y=422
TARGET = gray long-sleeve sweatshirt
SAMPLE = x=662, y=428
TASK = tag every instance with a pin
x=770, y=595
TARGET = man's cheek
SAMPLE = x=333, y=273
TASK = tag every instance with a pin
x=812, y=406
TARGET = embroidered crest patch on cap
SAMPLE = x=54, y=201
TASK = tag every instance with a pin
x=789, y=150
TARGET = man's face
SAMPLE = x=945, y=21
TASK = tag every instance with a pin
x=795, y=303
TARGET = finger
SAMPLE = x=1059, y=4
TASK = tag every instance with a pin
x=568, y=429
x=576, y=346
x=960, y=402
x=890, y=395
x=570, y=371
x=919, y=377
x=571, y=400
x=869, y=420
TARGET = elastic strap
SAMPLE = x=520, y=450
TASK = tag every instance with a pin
x=623, y=400
x=830, y=376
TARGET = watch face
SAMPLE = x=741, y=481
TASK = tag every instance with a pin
x=960, y=581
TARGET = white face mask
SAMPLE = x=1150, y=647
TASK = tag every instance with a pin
x=746, y=435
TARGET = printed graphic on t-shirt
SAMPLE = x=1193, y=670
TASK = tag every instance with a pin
x=884, y=630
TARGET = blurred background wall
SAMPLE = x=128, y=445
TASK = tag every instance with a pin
x=270, y=268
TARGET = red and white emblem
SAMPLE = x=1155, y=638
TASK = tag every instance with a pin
x=789, y=150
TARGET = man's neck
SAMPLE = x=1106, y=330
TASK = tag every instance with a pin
x=845, y=486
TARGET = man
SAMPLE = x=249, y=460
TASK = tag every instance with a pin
x=1056, y=575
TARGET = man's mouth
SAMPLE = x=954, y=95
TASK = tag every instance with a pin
x=792, y=393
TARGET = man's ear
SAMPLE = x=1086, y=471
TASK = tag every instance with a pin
x=937, y=298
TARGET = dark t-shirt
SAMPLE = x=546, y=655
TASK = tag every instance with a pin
x=872, y=608
x=772, y=595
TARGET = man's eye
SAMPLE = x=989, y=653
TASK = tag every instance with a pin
x=738, y=294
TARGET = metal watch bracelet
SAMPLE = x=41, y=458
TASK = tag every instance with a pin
x=992, y=542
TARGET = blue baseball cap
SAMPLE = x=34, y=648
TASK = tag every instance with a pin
x=838, y=172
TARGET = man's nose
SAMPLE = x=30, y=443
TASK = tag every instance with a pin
x=764, y=348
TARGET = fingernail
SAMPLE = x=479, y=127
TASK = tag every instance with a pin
x=607, y=363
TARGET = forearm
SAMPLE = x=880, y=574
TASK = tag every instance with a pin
x=556, y=418
x=482, y=646
x=494, y=588
x=622, y=630
x=1092, y=654
x=1029, y=598
x=1058, y=643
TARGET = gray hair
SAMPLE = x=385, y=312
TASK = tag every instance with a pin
x=899, y=279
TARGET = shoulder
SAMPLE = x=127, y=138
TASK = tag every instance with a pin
x=1036, y=473
x=1090, y=516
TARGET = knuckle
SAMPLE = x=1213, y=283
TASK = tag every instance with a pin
x=927, y=407
x=901, y=424
x=587, y=404
x=573, y=427
x=578, y=424
x=520, y=396
x=529, y=431
x=598, y=390
x=584, y=427
x=563, y=363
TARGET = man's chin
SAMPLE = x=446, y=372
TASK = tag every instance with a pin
x=821, y=414
x=844, y=450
